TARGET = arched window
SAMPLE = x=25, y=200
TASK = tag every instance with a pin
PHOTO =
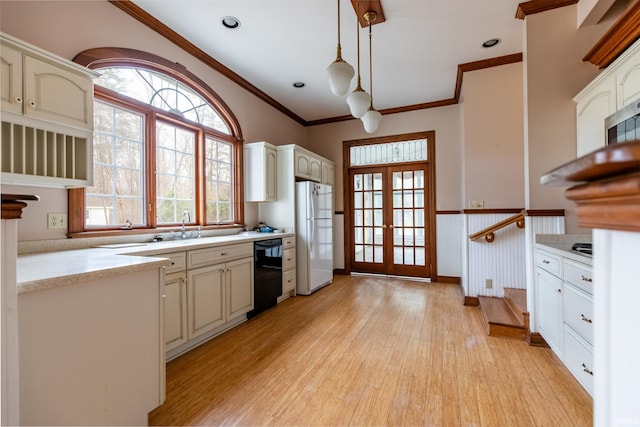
x=164, y=145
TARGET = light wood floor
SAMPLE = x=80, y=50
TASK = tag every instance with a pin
x=371, y=351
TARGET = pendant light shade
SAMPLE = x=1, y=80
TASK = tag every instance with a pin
x=339, y=72
x=359, y=102
x=371, y=120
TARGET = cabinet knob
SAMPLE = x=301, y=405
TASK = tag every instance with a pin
x=586, y=279
x=587, y=370
x=585, y=319
x=173, y=263
x=559, y=291
x=224, y=254
x=32, y=104
x=18, y=100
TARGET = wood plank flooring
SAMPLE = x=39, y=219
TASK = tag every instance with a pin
x=369, y=351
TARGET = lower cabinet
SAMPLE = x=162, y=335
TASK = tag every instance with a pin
x=550, y=310
x=565, y=311
x=288, y=267
x=202, y=301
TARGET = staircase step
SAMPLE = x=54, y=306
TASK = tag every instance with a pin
x=500, y=319
x=516, y=299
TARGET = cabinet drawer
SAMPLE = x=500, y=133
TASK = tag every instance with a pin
x=578, y=274
x=288, y=242
x=578, y=311
x=288, y=259
x=288, y=281
x=578, y=357
x=178, y=262
x=548, y=262
x=208, y=256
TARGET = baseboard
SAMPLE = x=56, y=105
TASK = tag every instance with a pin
x=535, y=339
x=471, y=301
x=340, y=271
x=448, y=279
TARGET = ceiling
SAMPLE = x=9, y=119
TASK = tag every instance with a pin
x=416, y=51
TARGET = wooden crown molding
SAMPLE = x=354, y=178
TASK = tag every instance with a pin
x=617, y=39
x=536, y=6
x=145, y=18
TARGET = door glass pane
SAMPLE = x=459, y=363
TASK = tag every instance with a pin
x=377, y=181
x=418, y=179
x=408, y=199
x=357, y=182
x=397, y=236
x=397, y=180
x=368, y=199
x=377, y=235
x=397, y=217
x=397, y=199
x=368, y=217
x=407, y=178
x=357, y=201
x=359, y=253
x=368, y=182
x=358, y=218
x=408, y=237
x=397, y=255
x=377, y=199
x=420, y=259
x=419, y=217
x=368, y=235
x=408, y=256
x=377, y=258
x=368, y=253
x=358, y=235
x=408, y=217
x=377, y=217
x=418, y=197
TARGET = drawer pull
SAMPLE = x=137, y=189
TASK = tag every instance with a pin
x=586, y=279
x=559, y=291
x=224, y=254
x=288, y=259
x=585, y=319
x=290, y=280
x=544, y=261
x=584, y=368
x=173, y=263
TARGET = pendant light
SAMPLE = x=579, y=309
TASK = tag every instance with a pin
x=339, y=72
x=371, y=119
x=359, y=99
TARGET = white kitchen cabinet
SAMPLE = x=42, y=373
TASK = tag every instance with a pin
x=47, y=117
x=260, y=172
x=308, y=165
x=328, y=171
x=288, y=267
x=205, y=288
x=550, y=309
x=239, y=288
x=39, y=85
x=614, y=88
x=175, y=310
x=565, y=310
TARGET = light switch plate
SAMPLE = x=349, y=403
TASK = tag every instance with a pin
x=56, y=221
x=476, y=204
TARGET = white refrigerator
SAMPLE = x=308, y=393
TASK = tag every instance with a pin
x=314, y=236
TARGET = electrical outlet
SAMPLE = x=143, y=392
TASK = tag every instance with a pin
x=56, y=220
x=476, y=204
x=488, y=283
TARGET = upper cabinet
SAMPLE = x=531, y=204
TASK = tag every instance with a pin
x=615, y=87
x=260, y=172
x=312, y=167
x=47, y=117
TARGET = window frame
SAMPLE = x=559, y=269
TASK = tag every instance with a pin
x=114, y=57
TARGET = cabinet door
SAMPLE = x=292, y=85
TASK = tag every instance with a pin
x=206, y=299
x=302, y=167
x=591, y=111
x=315, y=168
x=270, y=179
x=175, y=310
x=628, y=79
x=57, y=95
x=550, y=309
x=239, y=279
x=327, y=173
x=11, y=76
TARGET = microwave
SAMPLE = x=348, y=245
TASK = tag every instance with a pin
x=624, y=125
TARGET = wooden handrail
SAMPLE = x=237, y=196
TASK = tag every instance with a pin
x=488, y=233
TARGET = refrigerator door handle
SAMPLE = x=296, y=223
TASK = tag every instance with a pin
x=312, y=225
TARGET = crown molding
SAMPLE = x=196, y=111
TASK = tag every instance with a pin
x=536, y=6
x=617, y=39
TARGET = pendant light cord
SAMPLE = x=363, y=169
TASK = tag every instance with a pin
x=339, y=53
x=370, y=68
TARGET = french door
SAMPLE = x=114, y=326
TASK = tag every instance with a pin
x=389, y=224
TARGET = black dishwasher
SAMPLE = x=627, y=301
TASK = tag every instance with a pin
x=267, y=274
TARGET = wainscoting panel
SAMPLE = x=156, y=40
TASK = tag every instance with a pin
x=338, y=241
x=449, y=244
x=502, y=261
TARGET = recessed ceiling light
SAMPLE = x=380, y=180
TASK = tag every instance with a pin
x=298, y=85
x=491, y=43
x=230, y=22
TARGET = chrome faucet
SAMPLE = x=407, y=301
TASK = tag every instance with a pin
x=185, y=216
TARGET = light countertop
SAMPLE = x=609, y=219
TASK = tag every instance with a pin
x=37, y=271
x=561, y=244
